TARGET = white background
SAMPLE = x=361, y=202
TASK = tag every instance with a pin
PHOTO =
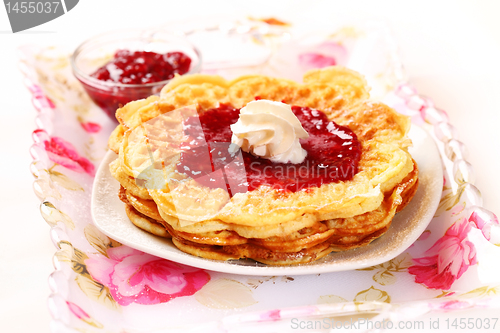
x=451, y=51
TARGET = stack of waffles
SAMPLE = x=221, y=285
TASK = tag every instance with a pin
x=266, y=224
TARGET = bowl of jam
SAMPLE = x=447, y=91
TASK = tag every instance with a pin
x=123, y=66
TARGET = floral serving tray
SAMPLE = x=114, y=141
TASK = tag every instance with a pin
x=101, y=285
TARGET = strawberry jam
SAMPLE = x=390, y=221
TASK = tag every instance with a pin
x=143, y=67
x=133, y=76
x=333, y=153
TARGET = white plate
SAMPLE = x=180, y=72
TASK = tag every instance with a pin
x=109, y=216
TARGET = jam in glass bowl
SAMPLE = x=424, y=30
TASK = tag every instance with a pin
x=123, y=66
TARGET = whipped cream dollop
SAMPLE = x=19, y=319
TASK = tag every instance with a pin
x=270, y=130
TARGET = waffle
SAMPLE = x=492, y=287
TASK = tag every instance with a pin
x=268, y=225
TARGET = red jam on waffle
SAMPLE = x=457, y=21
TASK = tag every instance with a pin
x=333, y=154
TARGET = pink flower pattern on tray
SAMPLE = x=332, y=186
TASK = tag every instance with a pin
x=134, y=276
x=484, y=225
x=323, y=55
x=447, y=259
x=90, y=127
x=63, y=153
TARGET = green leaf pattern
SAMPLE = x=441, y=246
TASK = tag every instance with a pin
x=385, y=271
x=76, y=259
x=52, y=215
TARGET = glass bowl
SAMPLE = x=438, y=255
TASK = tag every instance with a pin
x=98, y=51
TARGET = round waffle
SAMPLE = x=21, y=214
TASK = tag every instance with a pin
x=146, y=223
x=268, y=225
